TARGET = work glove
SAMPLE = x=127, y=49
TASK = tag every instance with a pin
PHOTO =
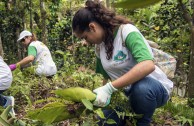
x=12, y=67
x=103, y=95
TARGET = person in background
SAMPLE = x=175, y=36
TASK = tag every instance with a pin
x=5, y=83
x=125, y=57
x=38, y=54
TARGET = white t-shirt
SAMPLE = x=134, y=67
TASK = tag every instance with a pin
x=122, y=59
x=43, y=59
x=5, y=75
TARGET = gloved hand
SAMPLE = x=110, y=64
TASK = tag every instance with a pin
x=12, y=67
x=103, y=95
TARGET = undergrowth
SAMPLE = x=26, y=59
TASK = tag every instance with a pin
x=33, y=92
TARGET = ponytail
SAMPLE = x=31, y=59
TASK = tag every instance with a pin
x=33, y=37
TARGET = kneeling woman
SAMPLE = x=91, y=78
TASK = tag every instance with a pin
x=38, y=54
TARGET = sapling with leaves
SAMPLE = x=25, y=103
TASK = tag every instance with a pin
x=75, y=102
x=71, y=108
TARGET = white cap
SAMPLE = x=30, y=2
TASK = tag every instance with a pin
x=24, y=34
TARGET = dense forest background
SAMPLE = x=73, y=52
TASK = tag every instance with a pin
x=169, y=23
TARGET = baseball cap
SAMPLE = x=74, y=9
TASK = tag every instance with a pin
x=24, y=34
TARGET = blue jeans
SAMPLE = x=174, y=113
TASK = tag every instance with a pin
x=2, y=99
x=144, y=96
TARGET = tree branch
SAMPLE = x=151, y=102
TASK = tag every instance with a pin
x=186, y=15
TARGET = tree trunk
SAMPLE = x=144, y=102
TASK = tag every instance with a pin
x=190, y=18
x=43, y=21
x=1, y=47
x=31, y=16
x=191, y=65
x=19, y=51
x=191, y=71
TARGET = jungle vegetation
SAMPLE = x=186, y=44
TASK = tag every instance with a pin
x=169, y=23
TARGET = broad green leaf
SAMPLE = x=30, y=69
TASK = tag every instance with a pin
x=133, y=4
x=87, y=104
x=50, y=112
x=75, y=94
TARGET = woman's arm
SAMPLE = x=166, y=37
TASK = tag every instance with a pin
x=138, y=72
x=32, y=52
x=145, y=65
x=26, y=61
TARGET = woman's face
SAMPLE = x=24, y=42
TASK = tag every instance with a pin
x=26, y=40
x=95, y=35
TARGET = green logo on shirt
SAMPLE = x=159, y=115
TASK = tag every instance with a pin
x=120, y=56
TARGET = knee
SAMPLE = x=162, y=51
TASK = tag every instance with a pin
x=138, y=88
x=142, y=86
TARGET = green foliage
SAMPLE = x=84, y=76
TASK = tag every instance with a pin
x=4, y=117
x=133, y=4
x=67, y=62
x=59, y=36
x=182, y=113
x=177, y=108
x=162, y=23
x=5, y=120
x=191, y=102
x=180, y=110
x=32, y=88
x=184, y=120
x=122, y=104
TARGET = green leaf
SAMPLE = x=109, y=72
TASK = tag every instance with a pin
x=133, y=4
x=75, y=94
x=111, y=121
x=4, y=114
x=87, y=104
x=184, y=120
x=20, y=123
x=190, y=122
x=50, y=112
x=100, y=113
x=3, y=122
x=59, y=52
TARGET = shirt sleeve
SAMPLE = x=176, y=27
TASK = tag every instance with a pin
x=32, y=51
x=137, y=46
x=100, y=69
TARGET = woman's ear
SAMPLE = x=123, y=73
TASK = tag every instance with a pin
x=92, y=27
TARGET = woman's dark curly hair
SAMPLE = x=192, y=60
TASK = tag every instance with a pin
x=96, y=12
